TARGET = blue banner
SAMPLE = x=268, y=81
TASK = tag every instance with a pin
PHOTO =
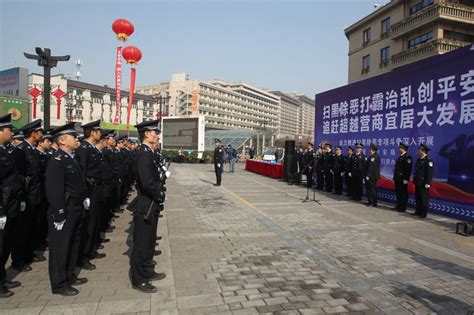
x=430, y=102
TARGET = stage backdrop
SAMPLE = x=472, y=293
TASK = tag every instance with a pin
x=430, y=102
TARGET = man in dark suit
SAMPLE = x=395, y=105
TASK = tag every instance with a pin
x=372, y=174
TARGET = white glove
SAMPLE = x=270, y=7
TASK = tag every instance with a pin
x=22, y=206
x=427, y=186
x=167, y=174
x=342, y=174
x=350, y=174
x=367, y=178
x=331, y=171
x=59, y=225
x=218, y=165
x=3, y=222
x=86, y=203
x=405, y=182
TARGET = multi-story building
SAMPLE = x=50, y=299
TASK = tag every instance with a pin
x=235, y=106
x=85, y=102
x=405, y=31
x=224, y=105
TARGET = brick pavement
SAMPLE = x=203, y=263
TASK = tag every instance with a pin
x=251, y=246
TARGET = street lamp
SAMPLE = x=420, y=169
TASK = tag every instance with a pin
x=161, y=97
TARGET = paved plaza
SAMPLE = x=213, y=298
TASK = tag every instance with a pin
x=251, y=246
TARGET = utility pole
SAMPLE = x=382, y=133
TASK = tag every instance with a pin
x=48, y=62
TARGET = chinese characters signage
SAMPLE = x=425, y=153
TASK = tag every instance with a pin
x=431, y=102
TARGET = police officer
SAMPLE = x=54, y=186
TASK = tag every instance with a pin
x=66, y=191
x=89, y=157
x=319, y=165
x=309, y=156
x=145, y=209
x=26, y=159
x=372, y=174
x=357, y=172
x=348, y=170
x=328, y=167
x=424, y=169
x=10, y=203
x=339, y=169
x=17, y=138
x=401, y=177
x=219, y=158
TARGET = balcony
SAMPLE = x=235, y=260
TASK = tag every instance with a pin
x=444, y=10
x=426, y=50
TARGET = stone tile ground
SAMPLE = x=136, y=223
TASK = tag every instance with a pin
x=251, y=247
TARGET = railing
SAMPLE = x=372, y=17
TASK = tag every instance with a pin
x=427, y=49
x=444, y=9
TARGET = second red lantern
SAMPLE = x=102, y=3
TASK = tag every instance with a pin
x=131, y=54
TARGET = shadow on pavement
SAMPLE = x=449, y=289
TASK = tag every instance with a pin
x=440, y=265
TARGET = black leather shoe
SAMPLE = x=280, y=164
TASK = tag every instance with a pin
x=157, y=276
x=99, y=256
x=80, y=281
x=368, y=204
x=5, y=293
x=158, y=238
x=109, y=230
x=105, y=240
x=67, y=292
x=88, y=266
x=157, y=252
x=145, y=288
x=100, y=247
x=374, y=205
x=216, y=185
x=401, y=211
x=39, y=258
x=12, y=284
x=24, y=268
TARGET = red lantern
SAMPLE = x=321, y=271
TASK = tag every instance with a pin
x=123, y=28
x=132, y=54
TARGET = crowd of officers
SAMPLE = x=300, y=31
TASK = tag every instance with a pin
x=333, y=169
x=62, y=194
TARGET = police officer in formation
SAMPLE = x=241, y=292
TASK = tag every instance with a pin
x=151, y=178
x=372, y=174
x=355, y=169
x=401, y=177
x=219, y=158
x=64, y=194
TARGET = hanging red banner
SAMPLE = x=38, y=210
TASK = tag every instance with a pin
x=132, y=91
x=58, y=93
x=34, y=92
x=118, y=80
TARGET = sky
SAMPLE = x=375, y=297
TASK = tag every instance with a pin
x=291, y=46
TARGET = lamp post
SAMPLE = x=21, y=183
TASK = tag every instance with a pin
x=48, y=62
x=161, y=97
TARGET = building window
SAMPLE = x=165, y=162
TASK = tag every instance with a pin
x=367, y=35
x=365, y=64
x=463, y=37
x=420, y=39
x=384, y=56
x=420, y=6
x=386, y=25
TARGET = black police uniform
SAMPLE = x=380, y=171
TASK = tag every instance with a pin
x=219, y=157
x=339, y=169
x=357, y=175
x=27, y=162
x=319, y=165
x=309, y=157
x=11, y=194
x=348, y=175
x=328, y=171
x=372, y=174
x=41, y=224
x=145, y=209
x=66, y=191
x=423, y=176
x=402, y=173
x=90, y=159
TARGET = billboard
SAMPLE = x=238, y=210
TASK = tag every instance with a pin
x=429, y=102
x=14, y=82
x=17, y=106
x=182, y=133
